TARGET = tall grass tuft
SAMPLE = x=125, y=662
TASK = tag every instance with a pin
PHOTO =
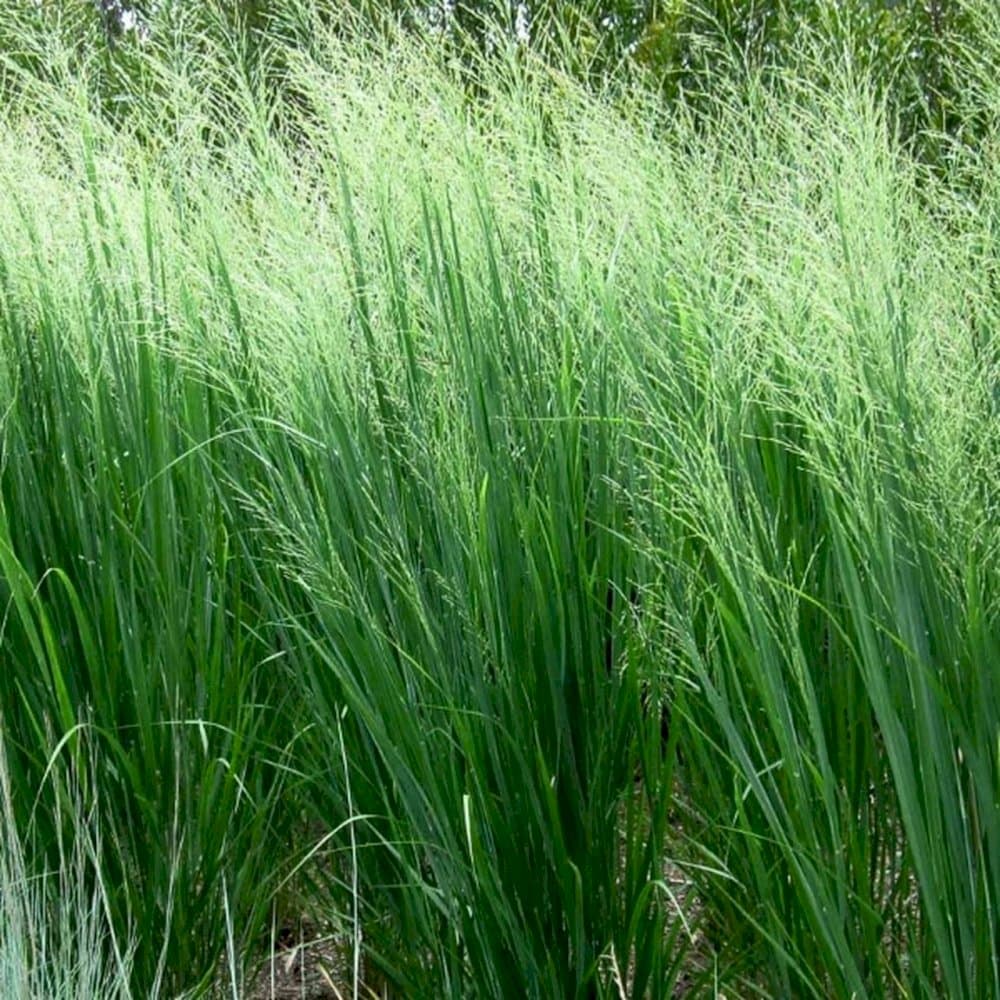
x=55, y=938
x=556, y=538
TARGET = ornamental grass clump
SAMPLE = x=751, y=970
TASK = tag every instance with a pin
x=547, y=543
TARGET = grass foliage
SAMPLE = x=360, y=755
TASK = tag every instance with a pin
x=554, y=541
